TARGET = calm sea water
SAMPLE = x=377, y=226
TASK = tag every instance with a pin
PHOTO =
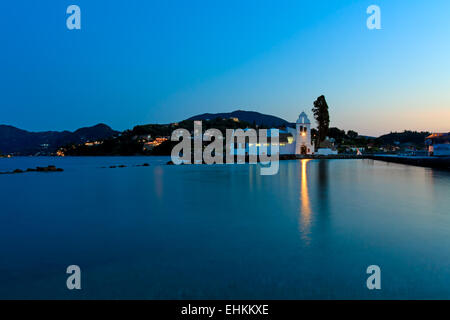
x=224, y=231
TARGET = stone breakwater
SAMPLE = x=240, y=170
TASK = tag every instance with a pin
x=124, y=166
x=432, y=162
x=37, y=169
x=318, y=156
x=297, y=157
x=52, y=168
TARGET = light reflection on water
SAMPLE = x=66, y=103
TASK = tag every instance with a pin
x=305, y=213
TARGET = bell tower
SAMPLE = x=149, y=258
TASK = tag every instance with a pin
x=303, y=137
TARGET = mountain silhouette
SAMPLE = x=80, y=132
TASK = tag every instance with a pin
x=22, y=142
x=247, y=116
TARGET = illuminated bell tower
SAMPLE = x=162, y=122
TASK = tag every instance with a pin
x=303, y=139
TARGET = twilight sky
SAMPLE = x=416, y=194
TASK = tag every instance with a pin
x=136, y=62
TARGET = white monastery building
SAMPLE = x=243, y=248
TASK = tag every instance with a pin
x=302, y=143
x=291, y=141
